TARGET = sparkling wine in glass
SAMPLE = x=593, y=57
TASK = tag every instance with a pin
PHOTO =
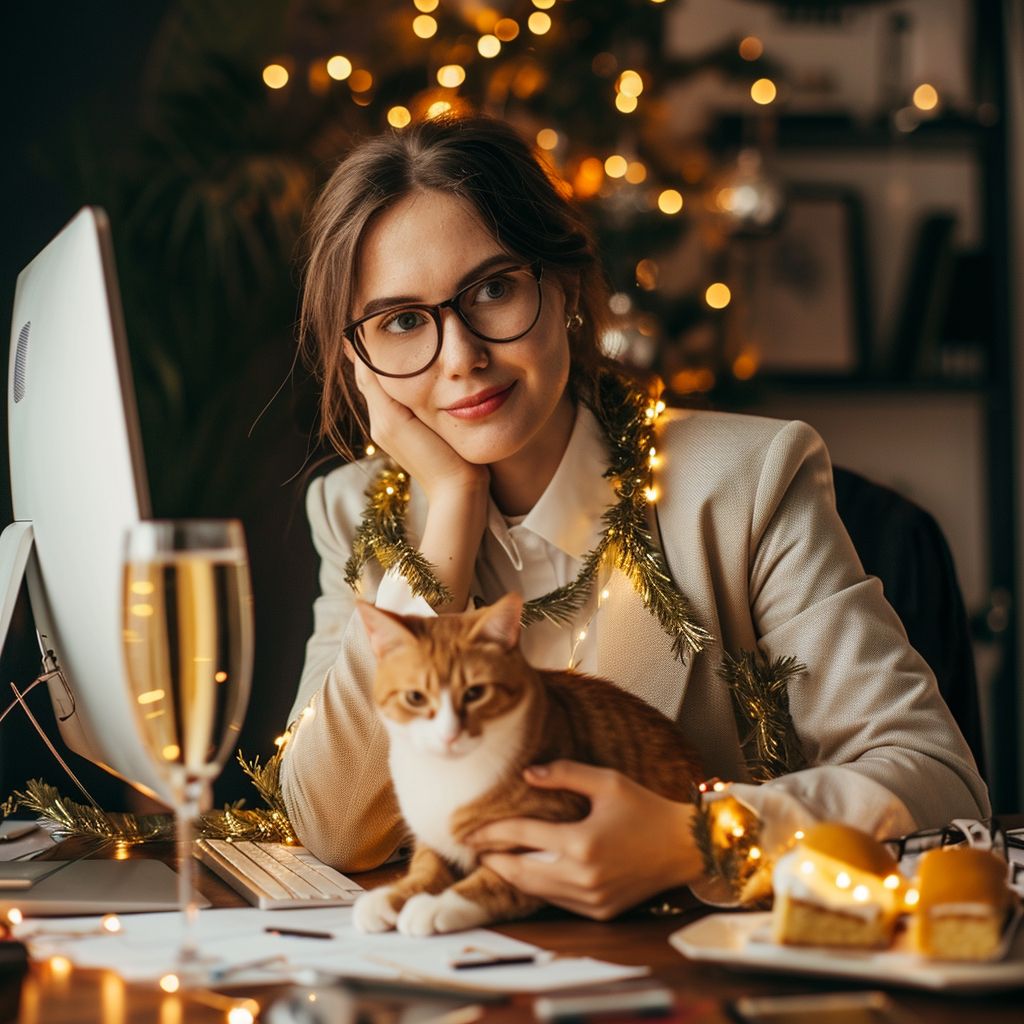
x=188, y=643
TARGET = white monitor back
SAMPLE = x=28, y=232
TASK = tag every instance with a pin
x=78, y=475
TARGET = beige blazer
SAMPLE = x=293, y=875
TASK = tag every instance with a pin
x=746, y=518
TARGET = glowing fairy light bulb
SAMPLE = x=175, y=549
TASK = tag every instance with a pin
x=763, y=91
x=451, y=76
x=807, y=868
x=488, y=46
x=14, y=915
x=798, y=834
x=891, y=881
x=605, y=595
x=651, y=493
x=539, y=23
x=339, y=68
x=718, y=787
x=912, y=897
x=424, y=26
x=111, y=923
x=370, y=450
x=754, y=853
x=860, y=893
x=398, y=117
x=926, y=97
x=275, y=76
x=842, y=880
x=718, y=295
x=670, y=201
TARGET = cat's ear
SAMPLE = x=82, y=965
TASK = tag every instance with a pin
x=386, y=631
x=500, y=623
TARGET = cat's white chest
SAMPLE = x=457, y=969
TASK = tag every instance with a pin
x=431, y=788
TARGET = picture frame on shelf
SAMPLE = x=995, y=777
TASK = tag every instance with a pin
x=802, y=289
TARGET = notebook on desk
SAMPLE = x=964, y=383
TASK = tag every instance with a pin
x=88, y=887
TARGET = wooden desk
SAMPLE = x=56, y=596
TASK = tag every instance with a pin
x=55, y=996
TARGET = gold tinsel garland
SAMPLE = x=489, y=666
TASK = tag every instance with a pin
x=760, y=690
x=74, y=820
x=628, y=420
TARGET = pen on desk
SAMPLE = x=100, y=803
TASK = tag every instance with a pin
x=494, y=961
x=298, y=933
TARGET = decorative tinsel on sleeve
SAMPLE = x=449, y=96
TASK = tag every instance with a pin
x=381, y=535
x=760, y=691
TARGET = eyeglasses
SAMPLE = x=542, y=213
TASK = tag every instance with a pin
x=403, y=341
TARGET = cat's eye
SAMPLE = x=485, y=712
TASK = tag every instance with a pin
x=472, y=694
x=415, y=699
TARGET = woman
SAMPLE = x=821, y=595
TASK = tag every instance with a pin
x=454, y=304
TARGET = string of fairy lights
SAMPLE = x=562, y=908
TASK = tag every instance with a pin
x=455, y=54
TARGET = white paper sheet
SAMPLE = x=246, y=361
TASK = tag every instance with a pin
x=235, y=947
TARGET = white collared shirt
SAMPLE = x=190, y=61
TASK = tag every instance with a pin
x=539, y=552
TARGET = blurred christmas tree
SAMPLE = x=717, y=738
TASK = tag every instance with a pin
x=247, y=106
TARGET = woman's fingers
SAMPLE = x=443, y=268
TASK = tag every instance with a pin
x=517, y=834
x=572, y=775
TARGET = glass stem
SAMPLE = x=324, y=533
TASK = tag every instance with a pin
x=186, y=813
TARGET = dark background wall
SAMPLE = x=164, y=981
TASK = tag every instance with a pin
x=74, y=74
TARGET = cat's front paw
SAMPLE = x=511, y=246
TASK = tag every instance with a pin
x=374, y=911
x=426, y=915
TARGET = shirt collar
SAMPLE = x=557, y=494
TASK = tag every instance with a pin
x=568, y=513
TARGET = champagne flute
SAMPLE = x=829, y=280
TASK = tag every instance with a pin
x=188, y=644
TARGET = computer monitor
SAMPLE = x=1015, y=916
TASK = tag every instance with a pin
x=78, y=483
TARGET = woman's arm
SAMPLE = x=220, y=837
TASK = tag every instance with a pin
x=334, y=772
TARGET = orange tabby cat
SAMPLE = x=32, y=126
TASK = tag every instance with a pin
x=465, y=714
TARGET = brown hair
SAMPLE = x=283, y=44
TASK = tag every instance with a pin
x=482, y=160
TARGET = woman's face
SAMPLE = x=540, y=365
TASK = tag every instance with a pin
x=490, y=401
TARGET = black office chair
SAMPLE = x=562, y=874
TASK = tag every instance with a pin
x=904, y=547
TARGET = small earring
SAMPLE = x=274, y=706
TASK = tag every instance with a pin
x=573, y=322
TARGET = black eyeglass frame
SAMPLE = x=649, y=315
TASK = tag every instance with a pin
x=352, y=333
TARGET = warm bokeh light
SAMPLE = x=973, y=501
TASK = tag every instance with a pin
x=60, y=967
x=220, y=677
x=399, y=117
x=14, y=915
x=912, y=897
x=745, y=365
x=538, y=23
x=339, y=68
x=718, y=295
x=275, y=76
x=926, y=97
x=544, y=5
x=170, y=983
x=627, y=104
x=121, y=850
x=424, y=26
x=438, y=108
x=751, y=48
x=111, y=923
x=670, y=201
x=506, y=30
x=636, y=172
x=426, y=6
x=647, y=272
x=589, y=176
x=547, y=138
x=451, y=76
x=240, y=1015
x=171, y=752
x=489, y=46
x=360, y=81
x=630, y=83
x=687, y=381
x=763, y=91
x=615, y=166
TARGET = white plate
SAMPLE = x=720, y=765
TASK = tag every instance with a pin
x=731, y=939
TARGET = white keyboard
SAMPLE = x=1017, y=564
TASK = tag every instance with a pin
x=273, y=876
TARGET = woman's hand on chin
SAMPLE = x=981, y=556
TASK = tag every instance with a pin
x=420, y=451
x=633, y=844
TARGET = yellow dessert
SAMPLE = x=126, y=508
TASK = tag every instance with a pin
x=963, y=904
x=837, y=887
